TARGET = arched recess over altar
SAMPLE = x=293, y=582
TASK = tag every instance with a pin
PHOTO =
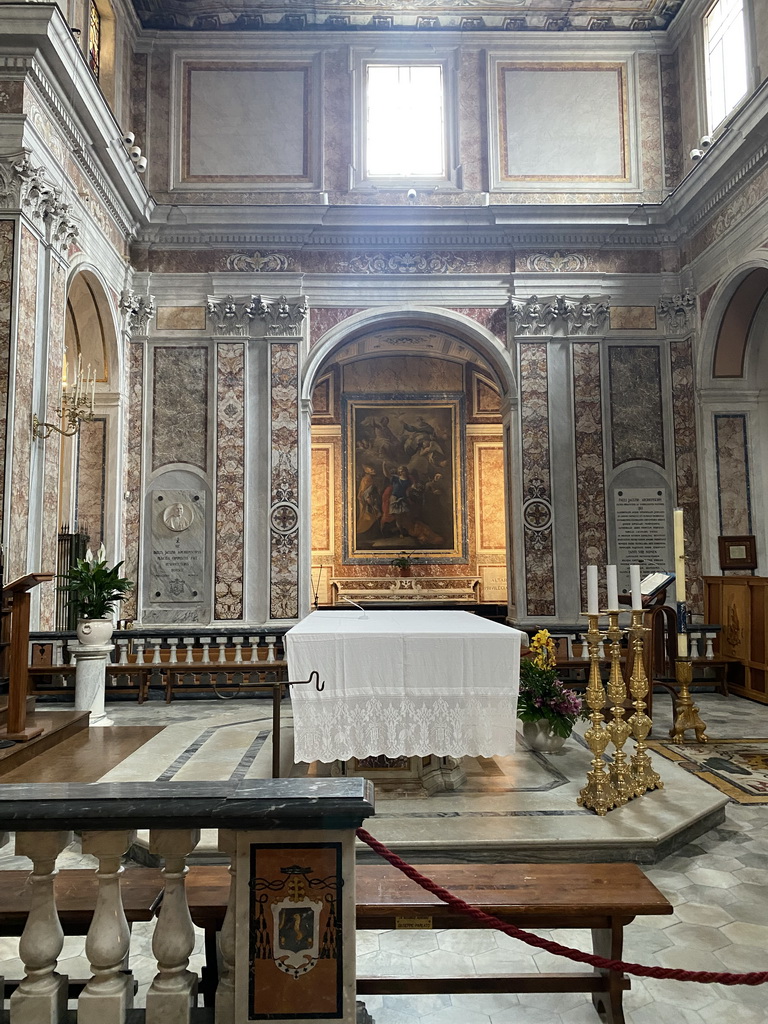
x=733, y=384
x=418, y=401
x=90, y=477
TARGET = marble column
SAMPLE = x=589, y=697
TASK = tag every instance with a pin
x=90, y=680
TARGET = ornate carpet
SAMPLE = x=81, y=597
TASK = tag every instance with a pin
x=738, y=768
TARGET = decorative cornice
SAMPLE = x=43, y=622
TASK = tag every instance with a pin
x=557, y=314
x=138, y=311
x=407, y=263
x=677, y=311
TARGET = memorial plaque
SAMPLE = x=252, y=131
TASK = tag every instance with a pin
x=177, y=562
x=641, y=530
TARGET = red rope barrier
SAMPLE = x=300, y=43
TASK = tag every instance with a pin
x=489, y=921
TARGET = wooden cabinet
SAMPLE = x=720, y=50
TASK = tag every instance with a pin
x=740, y=605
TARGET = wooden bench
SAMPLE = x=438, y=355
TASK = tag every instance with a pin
x=601, y=897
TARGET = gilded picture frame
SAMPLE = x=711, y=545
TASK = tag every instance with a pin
x=404, y=478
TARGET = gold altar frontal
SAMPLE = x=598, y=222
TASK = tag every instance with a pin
x=432, y=773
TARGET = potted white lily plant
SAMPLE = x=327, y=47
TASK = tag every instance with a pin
x=95, y=588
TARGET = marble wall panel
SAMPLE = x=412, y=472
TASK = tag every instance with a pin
x=471, y=116
x=337, y=114
x=322, y=320
x=6, y=294
x=230, y=480
x=686, y=466
x=159, y=88
x=537, y=485
x=670, y=111
x=734, y=498
x=323, y=499
x=649, y=101
x=728, y=213
x=11, y=97
x=91, y=472
x=51, y=470
x=705, y=298
x=590, y=466
x=132, y=462
x=637, y=425
x=555, y=97
x=180, y=318
x=402, y=375
x=284, y=464
x=180, y=406
x=18, y=499
x=632, y=318
x=689, y=93
x=492, y=319
x=490, y=503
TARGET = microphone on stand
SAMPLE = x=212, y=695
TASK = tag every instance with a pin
x=355, y=605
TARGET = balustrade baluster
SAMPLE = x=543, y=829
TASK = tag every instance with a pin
x=41, y=997
x=108, y=995
x=58, y=652
x=222, y=642
x=205, y=643
x=254, y=642
x=225, y=992
x=173, y=643
x=122, y=646
x=174, y=988
x=189, y=642
x=710, y=640
x=694, y=638
x=271, y=641
x=156, y=659
x=139, y=645
x=238, y=641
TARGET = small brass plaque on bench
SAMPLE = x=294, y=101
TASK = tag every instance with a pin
x=413, y=923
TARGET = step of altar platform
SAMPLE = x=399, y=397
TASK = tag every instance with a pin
x=4, y=708
x=57, y=726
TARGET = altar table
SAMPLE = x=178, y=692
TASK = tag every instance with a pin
x=403, y=683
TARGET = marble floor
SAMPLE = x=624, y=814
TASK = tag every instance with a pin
x=717, y=884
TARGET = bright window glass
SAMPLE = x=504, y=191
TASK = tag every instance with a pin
x=405, y=121
x=94, y=38
x=726, y=58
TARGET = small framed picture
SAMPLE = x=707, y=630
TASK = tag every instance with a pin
x=737, y=552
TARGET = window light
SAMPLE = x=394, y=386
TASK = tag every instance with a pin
x=726, y=54
x=405, y=126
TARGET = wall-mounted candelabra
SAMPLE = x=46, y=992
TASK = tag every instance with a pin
x=76, y=406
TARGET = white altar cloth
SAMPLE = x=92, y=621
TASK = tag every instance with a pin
x=403, y=683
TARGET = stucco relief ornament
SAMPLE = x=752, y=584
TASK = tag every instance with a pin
x=556, y=262
x=677, y=311
x=258, y=262
x=582, y=316
x=531, y=316
x=138, y=310
x=281, y=316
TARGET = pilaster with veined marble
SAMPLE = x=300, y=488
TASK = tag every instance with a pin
x=284, y=479
x=686, y=466
x=590, y=466
x=18, y=503
x=230, y=480
x=7, y=234
x=133, y=448
x=537, y=512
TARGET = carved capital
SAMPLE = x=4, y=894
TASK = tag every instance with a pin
x=677, y=311
x=281, y=316
x=138, y=311
x=229, y=316
x=582, y=316
x=24, y=187
x=557, y=314
x=530, y=316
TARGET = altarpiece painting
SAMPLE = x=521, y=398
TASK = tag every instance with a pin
x=404, y=481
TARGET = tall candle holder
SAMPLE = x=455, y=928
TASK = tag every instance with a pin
x=686, y=714
x=75, y=408
x=619, y=728
x=643, y=775
x=597, y=794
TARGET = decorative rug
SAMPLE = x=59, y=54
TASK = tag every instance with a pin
x=738, y=768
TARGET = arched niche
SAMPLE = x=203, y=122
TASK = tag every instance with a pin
x=396, y=369
x=91, y=459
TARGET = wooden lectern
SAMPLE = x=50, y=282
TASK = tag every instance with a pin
x=16, y=599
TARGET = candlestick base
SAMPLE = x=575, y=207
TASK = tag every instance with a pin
x=687, y=714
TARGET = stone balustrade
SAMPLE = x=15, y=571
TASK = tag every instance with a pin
x=291, y=845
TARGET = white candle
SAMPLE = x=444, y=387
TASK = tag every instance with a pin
x=613, y=588
x=592, y=601
x=634, y=582
x=677, y=516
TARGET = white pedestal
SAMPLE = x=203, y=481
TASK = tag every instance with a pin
x=90, y=680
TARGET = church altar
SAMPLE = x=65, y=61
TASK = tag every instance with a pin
x=403, y=684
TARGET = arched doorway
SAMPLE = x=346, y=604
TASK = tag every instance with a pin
x=410, y=460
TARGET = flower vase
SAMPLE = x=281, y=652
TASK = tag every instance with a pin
x=539, y=736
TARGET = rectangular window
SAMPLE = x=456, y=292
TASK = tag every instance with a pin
x=726, y=54
x=404, y=121
x=94, y=38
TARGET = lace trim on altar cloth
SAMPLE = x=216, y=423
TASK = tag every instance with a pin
x=336, y=729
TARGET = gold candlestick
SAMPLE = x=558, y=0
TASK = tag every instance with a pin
x=618, y=728
x=597, y=794
x=643, y=775
x=687, y=714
